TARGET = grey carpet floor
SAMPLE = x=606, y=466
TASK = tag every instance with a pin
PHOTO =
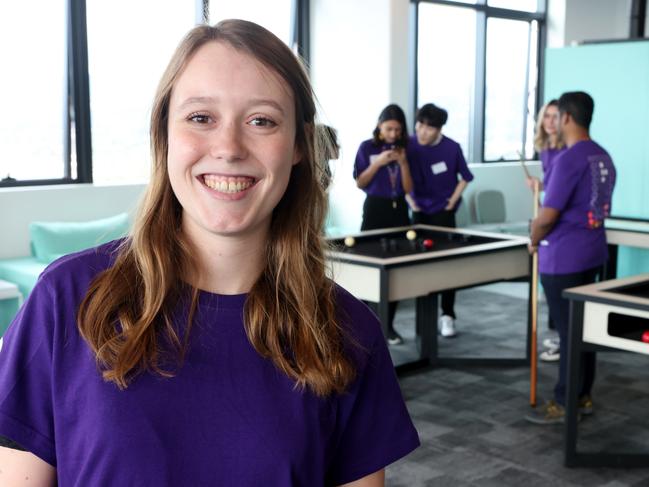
x=470, y=419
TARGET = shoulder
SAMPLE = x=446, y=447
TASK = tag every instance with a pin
x=77, y=270
x=367, y=146
x=357, y=319
x=450, y=143
x=598, y=149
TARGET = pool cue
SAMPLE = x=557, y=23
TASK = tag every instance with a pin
x=535, y=310
x=522, y=161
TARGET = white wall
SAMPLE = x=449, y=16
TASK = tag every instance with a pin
x=575, y=21
x=359, y=64
x=509, y=178
x=21, y=206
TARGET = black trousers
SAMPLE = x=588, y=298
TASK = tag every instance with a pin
x=441, y=219
x=559, y=307
x=381, y=213
x=384, y=213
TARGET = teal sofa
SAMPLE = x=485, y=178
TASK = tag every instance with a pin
x=51, y=240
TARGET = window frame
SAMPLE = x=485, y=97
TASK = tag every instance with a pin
x=77, y=108
x=483, y=12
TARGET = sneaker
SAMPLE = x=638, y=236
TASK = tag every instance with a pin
x=550, y=356
x=551, y=343
x=585, y=405
x=447, y=326
x=394, y=338
x=550, y=413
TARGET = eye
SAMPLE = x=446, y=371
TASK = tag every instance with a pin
x=200, y=118
x=262, y=122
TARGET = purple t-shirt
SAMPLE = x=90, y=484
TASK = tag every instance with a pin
x=435, y=170
x=580, y=187
x=547, y=156
x=387, y=180
x=228, y=417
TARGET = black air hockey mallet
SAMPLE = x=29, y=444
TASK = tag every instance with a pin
x=535, y=310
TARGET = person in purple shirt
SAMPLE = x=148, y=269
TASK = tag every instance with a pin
x=209, y=347
x=547, y=140
x=382, y=171
x=569, y=236
x=548, y=144
x=440, y=175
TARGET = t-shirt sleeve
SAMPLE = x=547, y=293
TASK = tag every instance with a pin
x=375, y=428
x=562, y=184
x=362, y=161
x=26, y=412
x=463, y=167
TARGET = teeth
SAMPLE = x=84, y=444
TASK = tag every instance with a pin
x=227, y=185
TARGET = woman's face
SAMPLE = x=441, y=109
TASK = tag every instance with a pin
x=551, y=120
x=390, y=131
x=231, y=134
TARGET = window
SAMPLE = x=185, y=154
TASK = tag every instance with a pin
x=480, y=61
x=509, y=89
x=274, y=16
x=523, y=5
x=446, y=76
x=125, y=64
x=34, y=127
x=81, y=81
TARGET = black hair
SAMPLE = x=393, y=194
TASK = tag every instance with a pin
x=431, y=114
x=579, y=105
x=392, y=112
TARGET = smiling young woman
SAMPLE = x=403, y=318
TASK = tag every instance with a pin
x=209, y=347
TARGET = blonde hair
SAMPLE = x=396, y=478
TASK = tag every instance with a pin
x=289, y=315
x=542, y=139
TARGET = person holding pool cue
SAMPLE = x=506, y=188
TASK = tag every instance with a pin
x=382, y=171
x=440, y=176
x=548, y=144
x=569, y=236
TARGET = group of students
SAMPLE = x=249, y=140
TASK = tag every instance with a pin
x=422, y=175
x=209, y=347
x=427, y=173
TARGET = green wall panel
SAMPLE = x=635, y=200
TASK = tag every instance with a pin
x=616, y=75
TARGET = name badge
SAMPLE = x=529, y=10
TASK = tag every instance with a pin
x=439, y=167
x=373, y=158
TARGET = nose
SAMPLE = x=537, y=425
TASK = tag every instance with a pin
x=227, y=143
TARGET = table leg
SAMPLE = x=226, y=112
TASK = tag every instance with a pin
x=610, y=268
x=575, y=335
x=383, y=306
x=426, y=325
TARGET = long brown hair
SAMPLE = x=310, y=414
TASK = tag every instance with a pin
x=289, y=315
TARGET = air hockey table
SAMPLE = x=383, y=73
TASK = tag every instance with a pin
x=608, y=315
x=384, y=265
x=623, y=231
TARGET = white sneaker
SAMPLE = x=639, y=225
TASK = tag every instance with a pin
x=551, y=355
x=551, y=343
x=447, y=326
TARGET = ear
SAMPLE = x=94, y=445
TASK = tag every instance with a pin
x=297, y=155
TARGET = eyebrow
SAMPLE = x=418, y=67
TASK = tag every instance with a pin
x=193, y=100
